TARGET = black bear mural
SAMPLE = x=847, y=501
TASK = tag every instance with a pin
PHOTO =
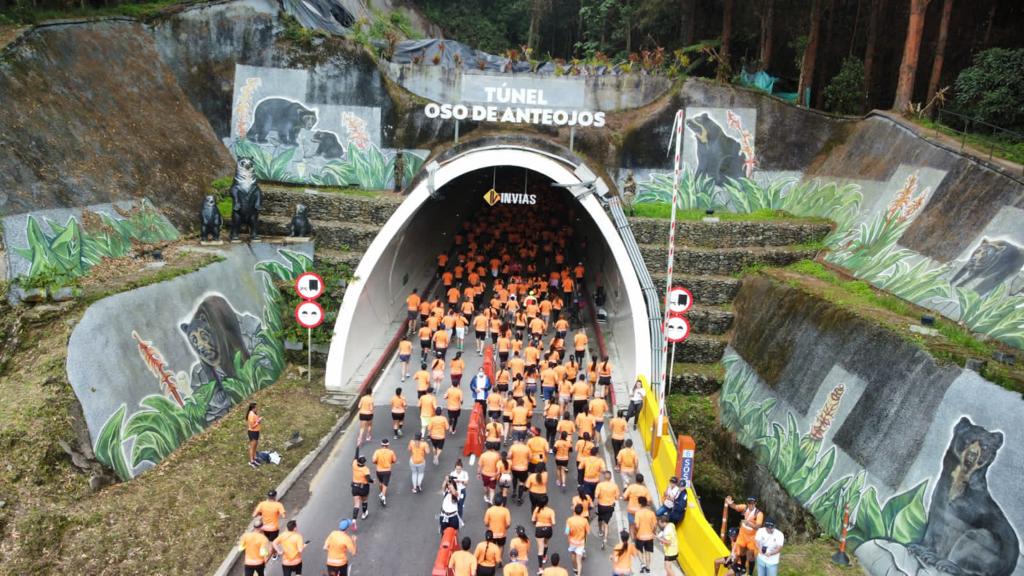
x=967, y=532
x=246, y=199
x=718, y=155
x=327, y=145
x=281, y=116
x=215, y=335
x=992, y=263
x=210, y=220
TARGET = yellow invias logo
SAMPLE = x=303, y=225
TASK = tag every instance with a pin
x=492, y=197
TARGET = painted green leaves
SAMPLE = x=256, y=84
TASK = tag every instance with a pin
x=696, y=192
x=68, y=251
x=903, y=518
x=367, y=167
x=997, y=314
x=109, y=447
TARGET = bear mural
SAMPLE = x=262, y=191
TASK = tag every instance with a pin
x=719, y=156
x=283, y=117
x=992, y=263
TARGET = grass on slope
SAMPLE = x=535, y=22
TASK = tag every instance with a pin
x=23, y=14
x=954, y=343
x=814, y=558
x=664, y=210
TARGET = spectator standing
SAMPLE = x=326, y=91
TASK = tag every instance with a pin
x=769, y=545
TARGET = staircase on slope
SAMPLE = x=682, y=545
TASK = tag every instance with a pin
x=708, y=258
x=344, y=224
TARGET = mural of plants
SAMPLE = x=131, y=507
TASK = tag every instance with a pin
x=696, y=192
x=68, y=251
x=797, y=462
x=165, y=421
x=364, y=165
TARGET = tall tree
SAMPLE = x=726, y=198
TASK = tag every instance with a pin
x=767, y=28
x=940, y=51
x=723, y=54
x=871, y=49
x=810, y=53
x=826, y=55
x=911, y=53
x=687, y=21
x=538, y=9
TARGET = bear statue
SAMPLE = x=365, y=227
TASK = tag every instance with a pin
x=718, y=155
x=281, y=116
x=300, y=226
x=245, y=199
x=210, y=220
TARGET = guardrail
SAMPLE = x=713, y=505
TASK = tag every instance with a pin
x=1001, y=137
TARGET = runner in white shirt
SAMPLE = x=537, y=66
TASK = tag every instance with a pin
x=769, y=545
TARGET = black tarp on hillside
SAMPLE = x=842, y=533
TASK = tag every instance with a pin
x=449, y=53
x=327, y=15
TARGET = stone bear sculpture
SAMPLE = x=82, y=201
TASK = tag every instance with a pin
x=992, y=262
x=718, y=155
x=215, y=336
x=246, y=199
x=210, y=220
x=967, y=532
x=281, y=116
x=300, y=226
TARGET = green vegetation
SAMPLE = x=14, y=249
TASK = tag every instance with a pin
x=1001, y=146
x=718, y=473
x=954, y=343
x=365, y=166
x=386, y=27
x=663, y=210
x=333, y=274
x=714, y=371
x=992, y=88
x=845, y=93
x=813, y=558
x=195, y=262
x=26, y=11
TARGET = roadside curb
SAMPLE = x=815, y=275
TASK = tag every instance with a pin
x=289, y=480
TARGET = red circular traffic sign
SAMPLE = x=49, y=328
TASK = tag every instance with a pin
x=309, y=285
x=677, y=328
x=309, y=314
x=680, y=300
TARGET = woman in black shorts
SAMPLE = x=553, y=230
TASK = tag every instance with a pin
x=360, y=487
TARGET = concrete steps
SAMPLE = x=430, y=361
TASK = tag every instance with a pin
x=689, y=378
x=702, y=348
x=710, y=319
x=708, y=290
x=328, y=207
x=328, y=235
x=339, y=257
x=730, y=234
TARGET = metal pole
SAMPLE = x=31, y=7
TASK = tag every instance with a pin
x=572, y=138
x=671, y=369
x=456, y=131
x=677, y=134
x=309, y=354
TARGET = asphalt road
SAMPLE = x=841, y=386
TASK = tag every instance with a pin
x=402, y=539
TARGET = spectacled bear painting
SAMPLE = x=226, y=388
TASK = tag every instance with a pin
x=992, y=263
x=216, y=334
x=719, y=156
x=967, y=532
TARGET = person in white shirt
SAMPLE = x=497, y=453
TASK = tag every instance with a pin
x=636, y=402
x=769, y=545
x=461, y=478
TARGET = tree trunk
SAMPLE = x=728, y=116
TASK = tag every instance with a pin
x=767, y=27
x=876, y=10
x=723, y=63
x=629, y=28
x=810, y=53
x=987, y=42
x=687, y=20
x=940, y=52
x=856, y=28
x=822, y=80
x=911, y=53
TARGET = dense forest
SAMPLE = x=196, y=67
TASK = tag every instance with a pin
x=848, y=54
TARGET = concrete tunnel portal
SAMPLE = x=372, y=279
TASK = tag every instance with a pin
x=449, y=188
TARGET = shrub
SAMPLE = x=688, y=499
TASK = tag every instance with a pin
x=845, y=93
x=992, y=89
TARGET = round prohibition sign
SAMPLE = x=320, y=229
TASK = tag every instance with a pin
x=680, y=300
x=309, y=314
x=309, y=285
x=677, y=328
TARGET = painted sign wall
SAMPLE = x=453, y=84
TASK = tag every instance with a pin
x=291, y=139
x=153, y=366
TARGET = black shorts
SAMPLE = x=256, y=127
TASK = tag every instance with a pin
x=424, y=344
x=254, y=435
x=543, y=532
x=480, y=334
x=453, y=415
x=492, y=414
x=437, y=444
x=503, y=356
x=398, y=416
x=257, y=570
x=494, y=338
x=501, y=388
x=384, y=478
x=604, y=380
x=366, y=417
x=290, y=570
x=645, y=545
x=506, y=419
x=500, y=541
x=486, y=570
x=562, y=463
x=604, y=513
x=520, y=475
x=492, y=445
x=362, y=490
x=337, y=570
x=271, y=534
x=671, y=558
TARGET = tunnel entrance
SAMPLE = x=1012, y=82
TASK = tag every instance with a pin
x=537, y=191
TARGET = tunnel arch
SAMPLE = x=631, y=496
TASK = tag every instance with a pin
x=375, y=300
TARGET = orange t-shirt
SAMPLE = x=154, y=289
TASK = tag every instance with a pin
x=438, y=427
x=413, y=301
x=441, y=339
x=291, y=544
x=422, y=378
x=519, y=456
x=384, y=458
x=580, y=390
x=622, y=557
x=488, y=463
x=494, y=402
x=580, y=341
x=462, y=563
x=454, y=398
x=497, y=519
x=633, y=493
x=618, y=427
x=253, y=422
x=522, y=546
x=598, y=407
x=627, y=460
x=480, y=323
x=487, y=554
x=544, y=516
x=562, y=325
x=578, y=530
x=366, y=404
x=256, y=547
x=360, y=474
x=271, y=512
x=405, y=348
x=536, y=484
x=592, y=469
x=567, y=426
x=398, y=404
x=538, y=449
x=520, y=415
x=418, y=451
x=427, y=405
x=607, y=493
x=646, y=523
x=562, y=449
x=339, y=545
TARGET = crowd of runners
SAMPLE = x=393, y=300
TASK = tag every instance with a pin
x=510, y=287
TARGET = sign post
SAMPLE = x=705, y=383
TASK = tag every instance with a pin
x=309, y=286
x=677, y=135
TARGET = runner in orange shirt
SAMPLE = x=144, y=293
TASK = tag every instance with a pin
x=480, y=323
x=580, y=342
x=577, y=528
x=487, y=472
x=425, y=335
x=627, y=461
x=544, y=522
x=365, y=419
x=418, y=450
x=270, y=513
x=598, y=407
x=442, y=262
x=412, y=302
x=404, y=353
x=453, y=398
x=488, y=556
x=398, y=407
x=604, y=376
x=645, y=525
x=462, y=562
x=289, y=546
x=257, y=550
x=441, y=339
x=438, y=427
x=252, y=425
x=360, y=487
x=339, y=546
x=457, y=368
x=622, y=556
x=384, y=458
x=497, y=519
x=519, y=457
x=606, y=493
x=618, y=427
x=632, y=495
x=555, y=569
